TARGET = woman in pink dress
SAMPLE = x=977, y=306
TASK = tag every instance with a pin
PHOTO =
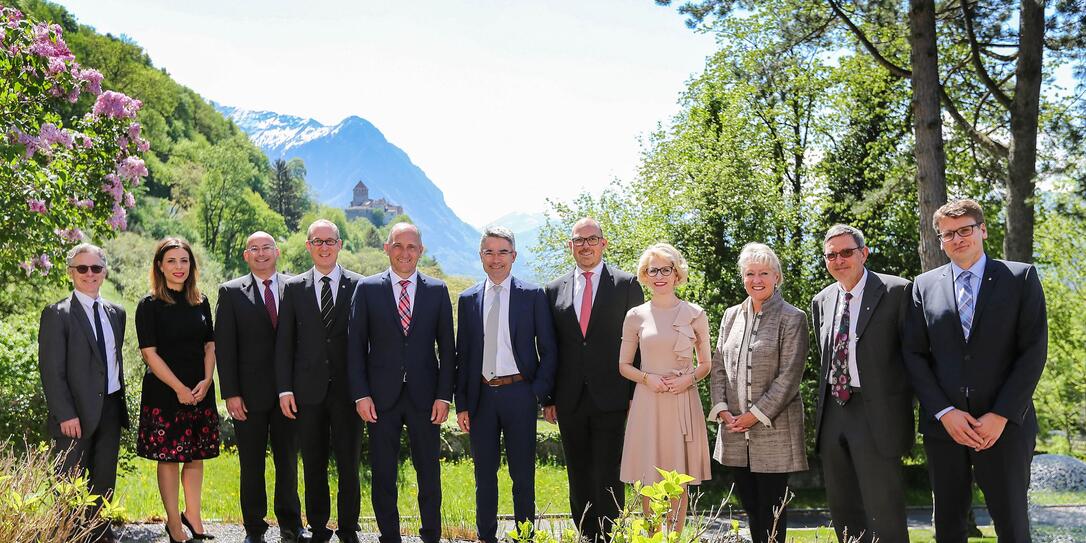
x=666, y=425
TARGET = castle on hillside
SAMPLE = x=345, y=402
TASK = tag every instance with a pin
x=363, y=206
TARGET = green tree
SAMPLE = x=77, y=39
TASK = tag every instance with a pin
x=288, y=191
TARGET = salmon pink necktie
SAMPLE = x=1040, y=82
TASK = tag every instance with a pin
x=586, y=303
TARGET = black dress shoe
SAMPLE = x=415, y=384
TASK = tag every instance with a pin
x=195, y=535
x=348, y=537
x=291, y=536
x=172, y=540
x=254, y=538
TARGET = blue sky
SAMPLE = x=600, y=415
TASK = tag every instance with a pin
x=550, y=97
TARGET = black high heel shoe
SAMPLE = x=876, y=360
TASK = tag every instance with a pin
x=195, y=534
x=170, y=536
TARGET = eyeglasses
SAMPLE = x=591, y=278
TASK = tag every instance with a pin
x=83, y=268
x=501, y=252
x=317, y=242
x=843, y=253
x=964, y=232
x=257, y=250
x=591, y=240
x=665, y=271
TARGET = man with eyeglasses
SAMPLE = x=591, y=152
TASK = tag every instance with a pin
x=864, y=414
x=591, y=398
x=975, y=346
x=246, y=319
x=79, y=357
x=505, y=359
x=311, y=375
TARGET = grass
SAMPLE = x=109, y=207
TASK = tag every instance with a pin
x=138, y=490
x=826, y=535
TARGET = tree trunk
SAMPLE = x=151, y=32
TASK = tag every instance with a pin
x=1022, y=159
x=928, y=127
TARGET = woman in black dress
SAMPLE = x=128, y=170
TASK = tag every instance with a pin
x=179, y=423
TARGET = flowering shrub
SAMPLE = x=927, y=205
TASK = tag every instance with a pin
x=62, y=178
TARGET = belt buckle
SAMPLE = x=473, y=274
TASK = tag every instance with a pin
x=493, y=383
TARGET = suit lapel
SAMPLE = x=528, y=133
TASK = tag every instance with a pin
x=514, y=293
x=343, y=298
x=565, y=300
x=946, y=288
x=253, y=289
x=604, y=287
x=873, y=291
x=480, y=297
x=80, y=316
x=987, y=286
x=827, y=333
x=311, y=292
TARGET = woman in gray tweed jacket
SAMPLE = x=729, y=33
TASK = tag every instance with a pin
x=756, y=371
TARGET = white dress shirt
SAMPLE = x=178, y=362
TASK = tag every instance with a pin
x=506, y=363
x=334, y=275
x=579, y=283
x=274, y=286
x=854, y=307
x=113, y=374
x=411, y=289
x=977, y=269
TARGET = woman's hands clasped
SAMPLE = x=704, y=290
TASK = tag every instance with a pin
x=678, y=382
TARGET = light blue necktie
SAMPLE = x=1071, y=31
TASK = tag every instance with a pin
x=965, y=301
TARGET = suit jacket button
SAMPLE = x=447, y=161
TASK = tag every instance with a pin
x=327, y=340
x=584, y=344
x=968, y=357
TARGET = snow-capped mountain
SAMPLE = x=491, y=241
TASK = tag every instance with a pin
x=338, y=157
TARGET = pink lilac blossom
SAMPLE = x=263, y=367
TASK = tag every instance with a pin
x=50, y=135
x=48, y=42
x=27, y=267
x=87, y=142
x=36, y=206
x=134, y=131
x=93, y=79
x=14, y=16
x=129, y=200
x=118, y=220
x=143, y=145
x=71, y=235
x=43, y=264
x=73, y=95
x=113, y=187
x=31, y=143
x=85, y=203
x=116, y=105
x=122, y=142
x=56, y=66
x=132, y=168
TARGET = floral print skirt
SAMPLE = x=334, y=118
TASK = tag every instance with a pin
x=182, y=434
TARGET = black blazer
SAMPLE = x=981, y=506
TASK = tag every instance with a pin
x=591, y=359
x=380, y=356
x=887, y=396
x=245, y=342
x=531, y=333
x=307, y=356
x=73, y=374
x=998, y=368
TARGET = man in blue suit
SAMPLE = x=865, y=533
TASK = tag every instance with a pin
x=506, y=356
x=975, y=345
x=401, y=364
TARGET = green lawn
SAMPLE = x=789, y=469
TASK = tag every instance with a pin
x=138, y=490
x=825, y=535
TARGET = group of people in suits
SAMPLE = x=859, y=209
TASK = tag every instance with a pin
x=305, y=361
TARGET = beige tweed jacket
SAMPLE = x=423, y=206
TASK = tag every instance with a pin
x=778, y=353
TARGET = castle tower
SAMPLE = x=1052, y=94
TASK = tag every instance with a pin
x=361, y=195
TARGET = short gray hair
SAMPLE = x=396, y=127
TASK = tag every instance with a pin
x=498, y=232
x=760, y=253
x=86, y=248
x=842, y=229
x=403, y=226
x=317, y=224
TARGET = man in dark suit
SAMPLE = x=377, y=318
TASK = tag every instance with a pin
x=401, y=359
x=975, y=346
x=864, y=417
x=505, y=359
x=591, y=399
x=245, y=323
x=79, y=357
x=311, y=375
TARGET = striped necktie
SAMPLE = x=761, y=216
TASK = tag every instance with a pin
x=404, y=307
x=326, y=302
x=965, y=301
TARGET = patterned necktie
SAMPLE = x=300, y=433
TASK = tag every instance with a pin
x=586, y=303
x=965, y=301
x=269, y=304
x=490, y=334
x=404, y=307
x=326, y=302
x=839, y=377
x=100, y=334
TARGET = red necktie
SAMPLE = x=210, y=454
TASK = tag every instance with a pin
x=269, y=303
x=586, y=303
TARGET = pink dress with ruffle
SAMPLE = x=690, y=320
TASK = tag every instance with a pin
x=665, y=430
